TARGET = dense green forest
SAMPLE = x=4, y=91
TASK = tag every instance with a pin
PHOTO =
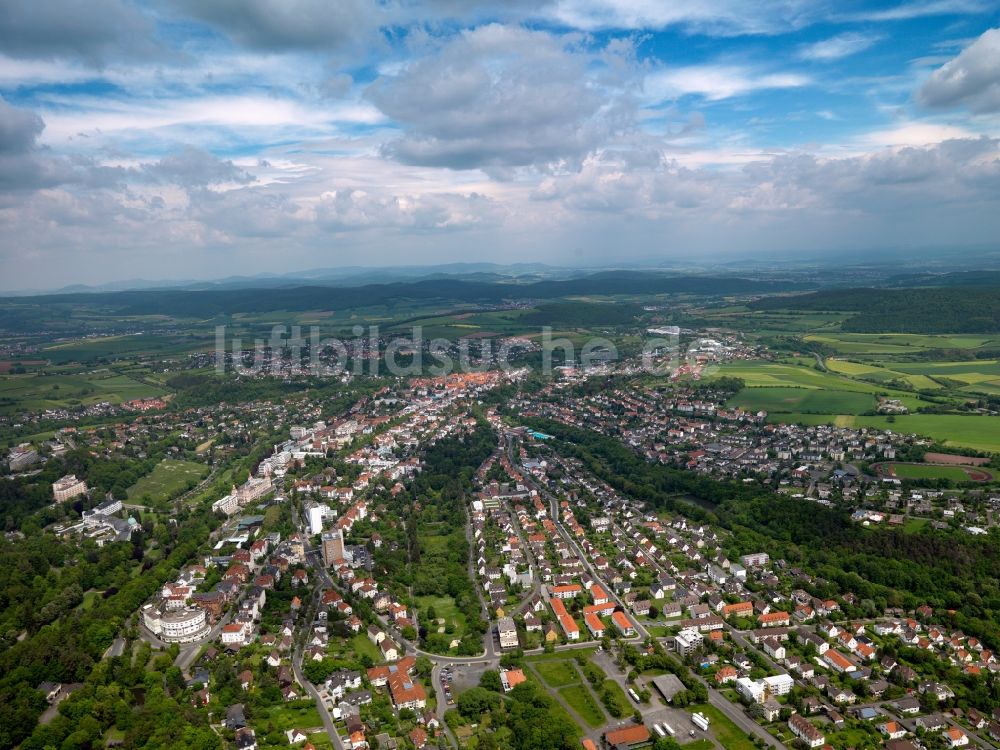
x=964, y=309
x=886, y=567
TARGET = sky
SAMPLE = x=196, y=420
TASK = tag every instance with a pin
x=209, y=138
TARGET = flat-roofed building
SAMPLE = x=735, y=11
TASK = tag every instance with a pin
x=507, y=632
x=68, y=487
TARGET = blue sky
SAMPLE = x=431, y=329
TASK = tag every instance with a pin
x=203, y=138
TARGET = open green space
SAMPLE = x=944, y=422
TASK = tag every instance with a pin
x=169, y=478
x=580, y=699
x=558, y=655
x=300, y=714
x=35, y=391
x=444, y=609
x=433, y=543
x=557, y=673
x=764, y=374
x=929, y=471
x=362, y=646
x=920, y=471
x=913, y=525
x=803, y=399
x=723, y=729
x=899, y=343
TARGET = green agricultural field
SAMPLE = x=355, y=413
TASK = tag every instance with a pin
x=558, y=673
x=782, y=399
x=760, y=374
x=980, y=375
x=854, y=369
x=878, y=374
x=784, y=388
x=580, y=699
x=953, y=430
x=119, y=347
x=170, y=477
x=898, y=343
x=768, y=321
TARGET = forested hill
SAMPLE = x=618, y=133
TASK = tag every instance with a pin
x=962, y=309
x=216, y=302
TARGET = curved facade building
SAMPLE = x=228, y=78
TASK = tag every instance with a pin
x=176, y=626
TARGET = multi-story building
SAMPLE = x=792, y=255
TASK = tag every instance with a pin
x=234, y=634
x=175, y=626
x=68, y=487
x=688, y=641
x=22, y=457
x=253, y=489
x=227, y=505
x=406, y=693
x=756, y=560
x=333, y=547
x=805, y=731
x=507, y=632
x=314, y=514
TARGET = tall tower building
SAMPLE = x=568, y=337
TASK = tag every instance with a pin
x=333, y=547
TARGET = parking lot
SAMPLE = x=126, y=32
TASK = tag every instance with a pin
x=462, y=677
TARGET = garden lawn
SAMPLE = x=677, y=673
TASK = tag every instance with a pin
x=362, y=646
x=583, y=702
x=444, y=607
x=170, y=477
x=725, y=731
x=301, y=714
x=558, y=673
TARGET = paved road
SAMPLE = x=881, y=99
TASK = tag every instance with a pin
x=737, y=716
x=643, y=634
x=331, y=729
x=442, y=704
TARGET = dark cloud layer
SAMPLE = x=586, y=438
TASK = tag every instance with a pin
x=93, y=31
x=289, y=24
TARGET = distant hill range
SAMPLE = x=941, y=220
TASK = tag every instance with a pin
x=206, y=303
x=344, y=276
